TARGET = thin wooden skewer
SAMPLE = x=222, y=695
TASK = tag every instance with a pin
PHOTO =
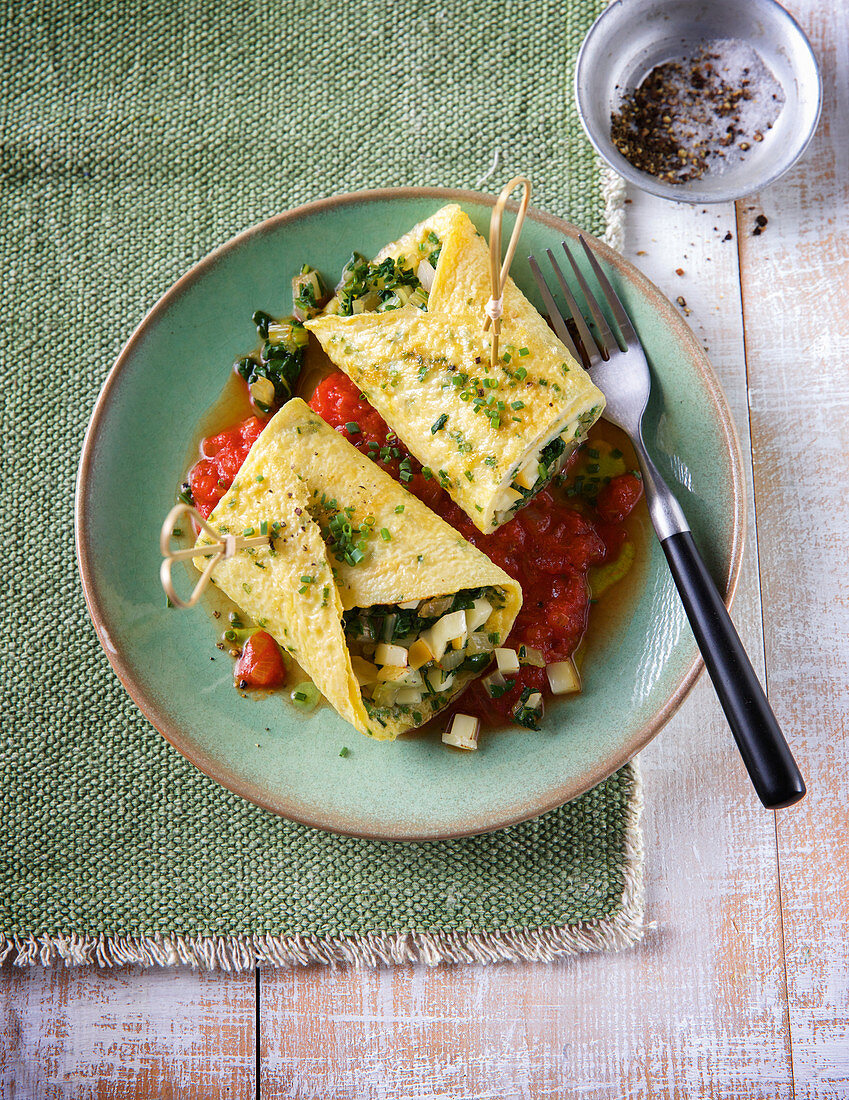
x=219, y=551
x=499, y=271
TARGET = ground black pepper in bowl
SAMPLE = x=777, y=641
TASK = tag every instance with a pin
x=699, y=114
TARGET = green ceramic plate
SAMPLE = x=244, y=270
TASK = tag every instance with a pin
x=173, y=369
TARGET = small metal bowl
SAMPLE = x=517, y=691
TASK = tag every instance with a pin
x=631, y=37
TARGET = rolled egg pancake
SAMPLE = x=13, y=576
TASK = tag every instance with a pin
x=385, y=606
x=494, y=436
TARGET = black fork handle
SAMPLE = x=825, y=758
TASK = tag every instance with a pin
x=767, y=757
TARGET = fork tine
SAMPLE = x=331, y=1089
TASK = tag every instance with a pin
x=587, y=339
x=605, y=337
x=554, y=313
x=618, y=310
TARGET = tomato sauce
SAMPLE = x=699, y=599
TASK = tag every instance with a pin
x=548, y=547
x=223, y=455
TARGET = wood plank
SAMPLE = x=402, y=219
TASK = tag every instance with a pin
x=700, y=1008
x=126, y=1034
x=796, y=299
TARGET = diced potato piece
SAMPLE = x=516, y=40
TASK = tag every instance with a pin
x=390, y=655
x=441, y=633
x=507, y=660
x=509, y=498
x=534, y=701
x=389, y=627
x=408, y=696
x=409, y=605
x=459, y=643
x=476, y=616
x=365, y=671
x=462, y=732
x=419, y=653
x=563, y=677
x=529, y=473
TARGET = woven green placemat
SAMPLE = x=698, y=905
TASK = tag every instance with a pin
x=134, y=141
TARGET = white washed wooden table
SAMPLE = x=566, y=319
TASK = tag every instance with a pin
x=742, y=991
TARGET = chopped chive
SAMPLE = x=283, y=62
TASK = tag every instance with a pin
x=263, y=527
x=524, y=351
x=521, y=373
x=353, y=427
x=439, y=423
x=344, y=751
x=307, y=580
x=384, y=534
x=248, y=531
x=399, y=508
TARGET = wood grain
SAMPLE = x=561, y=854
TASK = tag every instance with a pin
x=128, y=1034
x=796, y=300
x=700, y=1009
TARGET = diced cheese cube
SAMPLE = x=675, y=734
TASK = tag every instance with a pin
x=390, y=655
x=507, y=660
x=462, y=732
x=476, y=616
x=563, y=677
x=419, y=653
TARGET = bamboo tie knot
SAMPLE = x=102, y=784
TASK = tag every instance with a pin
x=221, y=549
x=494, y=308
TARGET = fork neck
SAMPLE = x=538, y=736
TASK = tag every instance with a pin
x=666, y=513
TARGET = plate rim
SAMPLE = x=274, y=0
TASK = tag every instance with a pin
x=555, y=797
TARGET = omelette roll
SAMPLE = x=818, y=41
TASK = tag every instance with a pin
x=493, y=436
x=384, y=605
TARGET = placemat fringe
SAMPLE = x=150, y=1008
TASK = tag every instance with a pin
x=244, y=952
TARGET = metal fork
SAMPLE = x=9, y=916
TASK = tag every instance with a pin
x=622, y=374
